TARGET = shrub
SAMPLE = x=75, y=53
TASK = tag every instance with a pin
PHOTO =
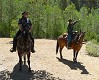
x=92, y=48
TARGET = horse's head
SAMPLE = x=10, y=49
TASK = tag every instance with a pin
x=81, y=36
x=25, y=33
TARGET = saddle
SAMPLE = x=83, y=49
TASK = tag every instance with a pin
x=75, y=36
x=65, y=35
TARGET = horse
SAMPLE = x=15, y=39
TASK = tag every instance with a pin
x=24, y=47
x=76, y=44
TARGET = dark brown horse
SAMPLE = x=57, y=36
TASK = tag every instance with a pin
x=76, y=44
x=24, y=47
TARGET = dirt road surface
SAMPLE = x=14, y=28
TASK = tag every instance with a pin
x=46, y=65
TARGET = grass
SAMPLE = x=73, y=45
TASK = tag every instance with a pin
x=92, y=48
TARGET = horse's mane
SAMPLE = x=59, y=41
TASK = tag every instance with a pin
x=81, y=34
x=21, y=46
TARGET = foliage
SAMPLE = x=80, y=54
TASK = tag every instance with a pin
x=49, y=17
x=93, y=48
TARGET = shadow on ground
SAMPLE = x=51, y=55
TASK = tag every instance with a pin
x=73, y=65
x=25, y=75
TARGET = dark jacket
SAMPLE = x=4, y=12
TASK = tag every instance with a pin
x=25, y=22
x=70, y=27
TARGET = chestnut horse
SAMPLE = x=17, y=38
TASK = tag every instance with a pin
x=24, y=47
x=76, y=44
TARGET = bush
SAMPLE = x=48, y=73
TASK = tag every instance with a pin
x=48, y=19
x=92, y=48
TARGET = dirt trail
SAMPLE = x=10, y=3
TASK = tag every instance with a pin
x=45, y=64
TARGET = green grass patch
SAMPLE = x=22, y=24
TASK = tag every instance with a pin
x=92, y=48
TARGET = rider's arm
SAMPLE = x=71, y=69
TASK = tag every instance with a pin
x=20, y=24
x=30, y=25
x=75, y=22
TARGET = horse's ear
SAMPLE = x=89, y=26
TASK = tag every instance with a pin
x=84, y=32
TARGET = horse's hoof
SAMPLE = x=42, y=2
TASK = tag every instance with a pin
x=20, y=69
x=29, y=70
x=61, y=57
x=75, y=61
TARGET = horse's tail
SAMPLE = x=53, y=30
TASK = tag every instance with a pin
x=57, y=46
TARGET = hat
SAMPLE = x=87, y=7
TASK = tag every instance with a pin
x=69, y=20
x=25, y=12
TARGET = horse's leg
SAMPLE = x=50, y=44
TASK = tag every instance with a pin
x=24, y=59
x=61, y=53
x=57, y=47
x=74, y=55
x=20, y=61
x=28, y=56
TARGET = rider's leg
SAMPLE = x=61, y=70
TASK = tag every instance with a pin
x=69, y=41
x=13, y=49
x=32, y=47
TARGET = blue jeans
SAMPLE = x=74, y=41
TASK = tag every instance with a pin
x=69, y=39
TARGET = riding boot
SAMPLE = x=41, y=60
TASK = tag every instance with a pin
x=69, y=41
x=32, y=46
x=13, y=49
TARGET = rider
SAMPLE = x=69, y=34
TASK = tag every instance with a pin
x=23, y=22
x=70, y=31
